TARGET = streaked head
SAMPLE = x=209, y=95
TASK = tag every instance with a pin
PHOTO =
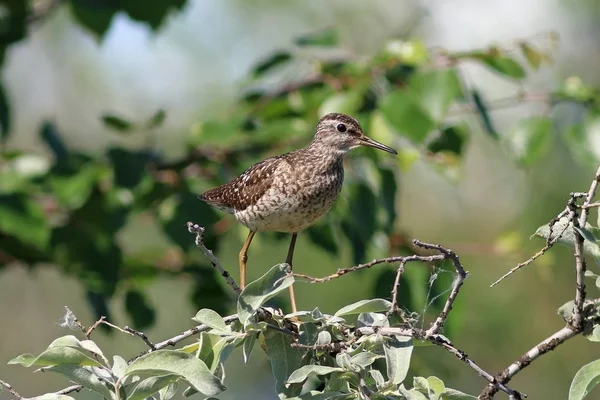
x=342, y=133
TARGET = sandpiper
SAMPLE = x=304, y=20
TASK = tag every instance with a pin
x=287, y=193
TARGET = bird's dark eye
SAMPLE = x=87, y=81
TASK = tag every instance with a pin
x=341, y=128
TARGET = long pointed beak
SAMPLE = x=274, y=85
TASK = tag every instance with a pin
x=367, y=141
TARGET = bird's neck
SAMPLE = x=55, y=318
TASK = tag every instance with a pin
x=327, y=154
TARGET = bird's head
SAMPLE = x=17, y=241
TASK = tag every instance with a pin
x=341, y=133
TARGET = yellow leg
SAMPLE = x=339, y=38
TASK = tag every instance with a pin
x=243, y=258
x=288, y=260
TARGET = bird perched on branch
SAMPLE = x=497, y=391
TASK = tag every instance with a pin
x=287, y=193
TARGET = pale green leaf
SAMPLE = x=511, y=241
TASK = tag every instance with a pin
x=92, y=378
x=149, y=386
x=403, y=111
x=436, y=90
x=585, y=380
x=249, y=342
x=397, y=352
x=210, y=318
x=568, y=237
x=306, y=371
x=346, y=102
x=453, y=394
x=256, y=293
x=64, y=350
x=174, y=362
x=364, y=306
x=285, y=359
x=595, y=335
x=364, y=359
x=119, y=366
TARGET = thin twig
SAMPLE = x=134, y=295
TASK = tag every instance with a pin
x=399, y=273
x=550, y=242
x=343, y=271
x=65, y=391
x=199, y=232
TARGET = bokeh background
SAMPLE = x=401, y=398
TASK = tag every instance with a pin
x=81, y=75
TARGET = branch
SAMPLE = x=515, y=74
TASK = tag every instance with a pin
x=581, y=307
x=15, y=394
x=443, y=342
x=199, y=232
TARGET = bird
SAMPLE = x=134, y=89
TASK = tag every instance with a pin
x=289, y=192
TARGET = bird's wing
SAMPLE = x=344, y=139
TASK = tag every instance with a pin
x=247, y=188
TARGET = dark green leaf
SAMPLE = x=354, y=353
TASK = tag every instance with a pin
x=141, y=313
x=51, y=137
x=405, y=114
x=530, y=139
x=157, y=119
x=72, y=183
x=151, y=12
x=5, y=117
x=192, y=369
x=271, y=62
x=483, y=114
x=451, y=139
x=117, y=123
x=360, y=223
x=326, y=37
x=389, y=189
x=129, y=166
x=208, y=290
x=93, y=15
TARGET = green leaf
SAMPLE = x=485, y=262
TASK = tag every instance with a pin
x=119, y=366
x=193, y=370
x=566, y=310
x=326, y=37
x=212, y=349
x=129, y=166
x=23, y=218
x=452, y=139
x=482, y=110
x=91, y=378
x=364, y=359
x=5, y=117
x=96, y=17
x=51, y=137
x=453, y=394
x=73, y=188
x=306, y=371
x=157, y=119
x=285, y=359
x=64, y=350
x=532, y=55
x=249, y=342
x=152, y=13
x=405, y=114
x=502, y=64
x=52, y=396
x=595, y=335
x=436, y=385
x=568, y=237
x=271, y=62
x=436, y=90
x=210, y=318
x=397, y=354
x=585, y=380
x=364, y=306
x=256, y=293
x=530, y=139
x=147, y=387
x=117, y=123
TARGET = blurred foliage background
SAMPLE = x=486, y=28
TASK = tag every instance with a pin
x=114, y=115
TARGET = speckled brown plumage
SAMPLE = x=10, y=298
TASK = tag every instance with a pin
x=287, y=193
